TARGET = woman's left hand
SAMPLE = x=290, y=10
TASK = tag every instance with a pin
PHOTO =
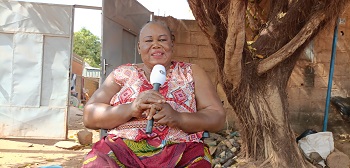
x=166, y=115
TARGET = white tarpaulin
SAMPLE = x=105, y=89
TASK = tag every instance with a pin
x=35, y=56
x=321, y=143
x=35, y=18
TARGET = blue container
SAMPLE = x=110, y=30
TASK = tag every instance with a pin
x=52, y=166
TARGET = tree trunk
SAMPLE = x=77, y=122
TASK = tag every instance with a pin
x=260, y=103
x=254, y=77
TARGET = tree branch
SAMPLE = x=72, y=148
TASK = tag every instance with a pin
x=288, y=49
x=235, y=42
x=201, y=15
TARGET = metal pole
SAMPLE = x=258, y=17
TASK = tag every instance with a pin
x=330, y=77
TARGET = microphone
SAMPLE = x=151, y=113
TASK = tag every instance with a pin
x=157, y=78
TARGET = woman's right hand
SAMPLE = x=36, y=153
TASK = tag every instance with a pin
x=144, y=101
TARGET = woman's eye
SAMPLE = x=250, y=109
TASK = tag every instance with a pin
x=148, y=40
x=162, y=39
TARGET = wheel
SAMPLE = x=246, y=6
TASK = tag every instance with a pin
x=73, y=101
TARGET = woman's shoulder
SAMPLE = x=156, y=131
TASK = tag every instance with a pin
x=181, y=64
x=126, y=66
x=186, y=65
x=126, y=69
x=125, y=72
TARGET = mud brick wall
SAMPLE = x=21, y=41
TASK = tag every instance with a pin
x=307, y=87
x=91, y=84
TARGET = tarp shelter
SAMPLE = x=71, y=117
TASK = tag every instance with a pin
x=36, y=56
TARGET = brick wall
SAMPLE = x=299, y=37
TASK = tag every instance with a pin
x=91, y=84
x=77, y=65
x=307, y=87
x=307, y=99
x=77, y=68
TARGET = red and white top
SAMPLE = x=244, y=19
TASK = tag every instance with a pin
x=178, y=91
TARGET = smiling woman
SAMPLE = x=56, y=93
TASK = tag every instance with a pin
x=185, y=106
x=156, y=45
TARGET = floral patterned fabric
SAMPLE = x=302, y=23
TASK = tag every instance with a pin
x=178, y=91
x=114, y=153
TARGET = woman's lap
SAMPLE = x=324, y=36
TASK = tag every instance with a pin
x=117, y=153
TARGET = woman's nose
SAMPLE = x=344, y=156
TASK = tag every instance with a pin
x=155, y=44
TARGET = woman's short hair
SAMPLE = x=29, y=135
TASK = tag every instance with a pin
x=163, y=24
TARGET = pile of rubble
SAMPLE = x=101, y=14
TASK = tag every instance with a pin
x=224, y=147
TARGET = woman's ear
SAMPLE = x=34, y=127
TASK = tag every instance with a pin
x=138, y=47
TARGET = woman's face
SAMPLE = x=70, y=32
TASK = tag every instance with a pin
x=155, y=45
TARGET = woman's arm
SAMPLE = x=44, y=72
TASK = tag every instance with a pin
x=98, y=113
x=210, y=115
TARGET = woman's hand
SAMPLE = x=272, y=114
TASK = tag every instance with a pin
x=144, y=102
x=164, y=114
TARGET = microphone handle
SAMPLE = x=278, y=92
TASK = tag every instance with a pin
x=149, y=126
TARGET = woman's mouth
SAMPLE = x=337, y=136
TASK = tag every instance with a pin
x=157, y=55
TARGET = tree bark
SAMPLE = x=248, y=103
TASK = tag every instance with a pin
x=256, y=86
x=261, y=107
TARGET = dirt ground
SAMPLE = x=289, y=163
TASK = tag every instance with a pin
x=24, y=153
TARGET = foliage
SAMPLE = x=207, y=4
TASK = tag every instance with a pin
x=88, y=46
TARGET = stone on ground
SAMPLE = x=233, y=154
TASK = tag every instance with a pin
x=84, y=137
x=338, y=159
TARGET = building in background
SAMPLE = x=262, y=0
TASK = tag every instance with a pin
x=91, y=77
x=84, y=80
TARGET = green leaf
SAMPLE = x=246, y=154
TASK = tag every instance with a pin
x=88, y=46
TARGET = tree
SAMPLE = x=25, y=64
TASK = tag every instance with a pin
x=87, y=46
x=254, y=74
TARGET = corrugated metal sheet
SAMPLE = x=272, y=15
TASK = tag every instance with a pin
x=26, y=69
x=35, y=18
x=92, y=72
x=35, y=56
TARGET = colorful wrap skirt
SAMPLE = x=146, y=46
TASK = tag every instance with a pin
x=117, y=152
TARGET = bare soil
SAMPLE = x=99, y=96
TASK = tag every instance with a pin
x=33, y=153
x=30, y=153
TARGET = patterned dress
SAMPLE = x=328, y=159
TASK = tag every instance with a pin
x=166, y=146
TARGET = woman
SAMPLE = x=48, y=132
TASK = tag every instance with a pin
x=185, y=106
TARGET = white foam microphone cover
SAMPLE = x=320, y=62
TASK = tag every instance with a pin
x=158, y=74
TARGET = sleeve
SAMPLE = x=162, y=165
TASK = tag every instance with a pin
x=119, y=75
